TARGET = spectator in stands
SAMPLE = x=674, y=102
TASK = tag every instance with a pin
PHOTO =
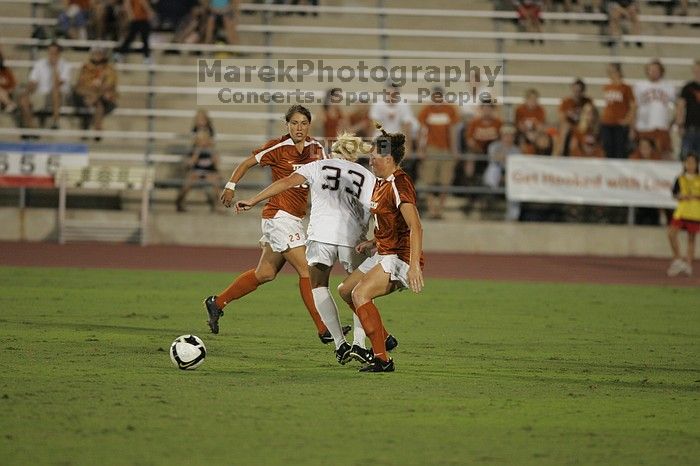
x=543, y=144
x=437, y=148
x=646, y=150
x=530, y=114
x=620, y=10
x=334, y=120
x=481, y=132
x=618, y=114
x=569, y=112
x=96, y=89
x=140, y=14
x=107, y=19
x=395, y=115
x=584, y=136
x=48, y=86
x=222, y=13
x=359, y=121
x=73, y=20
x=498, y=153
x=7, y=86
x=191, y=28
x=203, y=165
x=202, y=122
x=654, y=99
x=670, y=6
x=529, y=15
x=688, y=113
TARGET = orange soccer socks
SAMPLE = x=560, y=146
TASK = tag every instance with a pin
x=372, y=323
x=308, y=297
x=241, y=286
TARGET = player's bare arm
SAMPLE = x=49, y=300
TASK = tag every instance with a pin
x=229, y=191
x=277, y=187
x=366, y=245
x=415, y=275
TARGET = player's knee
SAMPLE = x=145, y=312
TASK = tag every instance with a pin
x=265, y=275
x=359, y=296
x=345, y=292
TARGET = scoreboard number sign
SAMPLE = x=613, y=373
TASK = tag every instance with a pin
x=35, y=165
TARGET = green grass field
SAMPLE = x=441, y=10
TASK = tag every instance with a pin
x=487, y=373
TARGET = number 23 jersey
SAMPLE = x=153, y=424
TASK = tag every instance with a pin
x=341, y=192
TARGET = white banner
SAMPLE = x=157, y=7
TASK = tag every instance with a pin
x=611, y=182
x=35, y=164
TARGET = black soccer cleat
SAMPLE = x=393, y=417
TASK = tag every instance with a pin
x=391, y=342
x=214, y=314
x=377, y=365
x=327, y=338
x=342, y=354
x=364, y=356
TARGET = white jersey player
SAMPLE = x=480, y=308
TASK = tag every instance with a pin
x=341, y=192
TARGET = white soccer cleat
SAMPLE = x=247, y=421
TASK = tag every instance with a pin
x=676, y=267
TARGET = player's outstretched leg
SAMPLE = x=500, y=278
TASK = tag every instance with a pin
x=270, y=263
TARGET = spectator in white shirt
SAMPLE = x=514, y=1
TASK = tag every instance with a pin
x=48, y=86
x=655, y=99
x=395, y=114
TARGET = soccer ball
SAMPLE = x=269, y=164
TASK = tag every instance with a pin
x=187, y=352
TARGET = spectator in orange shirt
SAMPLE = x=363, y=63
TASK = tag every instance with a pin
x=334, y=121
x=584, y=137
x=437, y=148
x=530, y=114
x=646, y=150
x=96, y=88
x=7, y=85
x=481, y=132
x=618, y=114
x=569, y=113
x=359, y=121
x=140, y=15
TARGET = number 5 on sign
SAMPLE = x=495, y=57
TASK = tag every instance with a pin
x=28, y=164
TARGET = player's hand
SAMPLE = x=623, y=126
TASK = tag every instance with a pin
x=242, y=206
x=365, y=246
x=227, y=197
x=415, y=279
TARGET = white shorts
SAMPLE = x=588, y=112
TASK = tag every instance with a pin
x=328, y=254
x=391, y=264
x=283, y=232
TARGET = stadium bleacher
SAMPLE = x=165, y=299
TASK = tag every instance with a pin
x=158, y=100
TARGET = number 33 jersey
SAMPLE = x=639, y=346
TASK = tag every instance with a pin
x=341, y=192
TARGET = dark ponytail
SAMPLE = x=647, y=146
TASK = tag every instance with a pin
x=390, y=143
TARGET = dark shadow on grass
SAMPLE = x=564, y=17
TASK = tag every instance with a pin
x=89, y=327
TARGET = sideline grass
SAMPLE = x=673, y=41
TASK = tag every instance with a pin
x=487, y=373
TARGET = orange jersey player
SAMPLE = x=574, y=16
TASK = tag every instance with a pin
x=283, y=238
x=398, y=236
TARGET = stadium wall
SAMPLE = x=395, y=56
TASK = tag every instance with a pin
x=474, y=237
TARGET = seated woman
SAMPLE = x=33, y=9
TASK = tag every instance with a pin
x=203, y=165
x=96, y=90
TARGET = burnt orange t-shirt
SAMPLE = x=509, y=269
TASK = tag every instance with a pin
x=331, y=123
x=282, y=156
x=572, y=109
x=618, y=98
x=484, y=132
x=7, y=79
x=391, y=231
x=138, y=10
x=585, y=145
x=438, y=120
x=529, y=117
